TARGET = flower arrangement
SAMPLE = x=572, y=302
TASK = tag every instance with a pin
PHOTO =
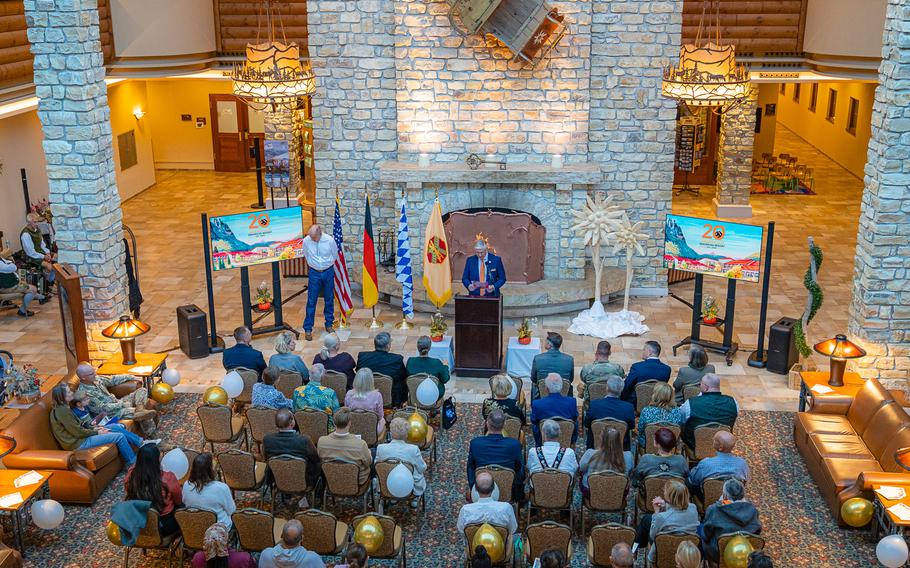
x=709, y=310
x=263, y=296
x=22, y=383
x=524, y=332
x=42, y=208
x=438, y=327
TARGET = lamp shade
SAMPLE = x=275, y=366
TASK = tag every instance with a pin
x=839, y=347
x=125, y=328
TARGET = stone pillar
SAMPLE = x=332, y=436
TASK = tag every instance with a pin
x=282, y=124
x=78, y=147
x=734, y=159
x=880, y=310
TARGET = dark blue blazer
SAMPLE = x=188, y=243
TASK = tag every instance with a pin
x=496, y=449
x=496, y=273
x=610, y=407
x=553, y=406
x=242, y=355
x=647, y=370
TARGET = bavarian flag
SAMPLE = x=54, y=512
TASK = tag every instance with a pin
x=370, y=281
x=437, y=270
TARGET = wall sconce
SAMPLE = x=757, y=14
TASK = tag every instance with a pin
x=138, y=113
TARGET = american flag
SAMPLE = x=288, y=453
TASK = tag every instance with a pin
x=342, y=283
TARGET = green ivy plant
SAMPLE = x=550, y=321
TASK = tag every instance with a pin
x=814, y=301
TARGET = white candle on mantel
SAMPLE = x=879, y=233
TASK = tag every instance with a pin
x=556, y=161
x=423, y=160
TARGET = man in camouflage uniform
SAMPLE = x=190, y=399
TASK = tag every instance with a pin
x=101, y=401
x=601, y=369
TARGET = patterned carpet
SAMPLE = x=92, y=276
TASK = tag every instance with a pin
x=798, y=527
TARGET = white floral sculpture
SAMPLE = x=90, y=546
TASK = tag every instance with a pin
x=628, y=238
x=597, y=222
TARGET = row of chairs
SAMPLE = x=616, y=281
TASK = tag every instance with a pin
x=784, y=169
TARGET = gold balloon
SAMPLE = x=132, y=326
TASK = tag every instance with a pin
x=417, y=428
x=857, y=512
x=489, y=538
x=162, y=393
x=737, y=551
x=369, y=533
x=215, y=395
x=113, y=533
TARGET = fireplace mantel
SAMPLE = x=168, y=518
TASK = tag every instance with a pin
x=519, y=173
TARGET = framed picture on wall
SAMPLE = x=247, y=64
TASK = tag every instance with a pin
x=770, y=109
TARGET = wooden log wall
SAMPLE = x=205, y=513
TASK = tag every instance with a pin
x=770, y=26
x=15, y=56
x=238, y=20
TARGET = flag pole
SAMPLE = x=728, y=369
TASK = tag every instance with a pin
x=375, y=323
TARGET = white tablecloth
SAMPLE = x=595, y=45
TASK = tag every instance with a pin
x=444, y=351
x=519, y=357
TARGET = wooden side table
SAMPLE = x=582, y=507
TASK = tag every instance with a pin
x=885, y=521
x=30, y=494
x=148, y=366
x=852, y=385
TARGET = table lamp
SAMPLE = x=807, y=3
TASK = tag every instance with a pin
x=126, y=329
x=839, y=349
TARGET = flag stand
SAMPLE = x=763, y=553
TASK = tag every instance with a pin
x=404, y=324
x=375, y=323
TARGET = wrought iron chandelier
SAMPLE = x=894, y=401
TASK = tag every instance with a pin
x=707, y=74
x=272, y=74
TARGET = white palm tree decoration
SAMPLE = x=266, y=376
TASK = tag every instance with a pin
x=628, y=237
x=597, y=222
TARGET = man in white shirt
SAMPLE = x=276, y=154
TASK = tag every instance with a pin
x=486, y=509
x=10, y=285
x=551, y=455
x=33, y=246
x=321, y=253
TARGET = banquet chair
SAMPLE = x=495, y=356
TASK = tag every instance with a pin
x=383, y=384
x=261, y=420
x=712, y=489
x=544, y=536
x=471, y=530
x=512, y=429
x=149, y=538
x=566, y=430
x=313, y=423
x=643, y=392
x=757, y=542
x=414, y=382
x=250, y=377
x=364, y=424
x=598, y=426
x=593, y=391
x=221, y=426
x=289, y=476
x=241, y=472
x=342, y=479
x=519, y=388
x=691, y=391
x=383, y=469
x=542, y=386
x=503, y=478
x=602, y=540
x=550, y=489
x=392, y=548
x=666, y=545
x=338, y=382
x=607, y=492
x=193, y=523
x=429, y=443
x=704, y=441
x=256, y=529
x=650, y=487
x=651, y=429
x=322, y=532
x=288, y=380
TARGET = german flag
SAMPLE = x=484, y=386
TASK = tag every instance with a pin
x=370, y=281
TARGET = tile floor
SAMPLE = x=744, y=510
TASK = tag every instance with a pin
x=166, y=221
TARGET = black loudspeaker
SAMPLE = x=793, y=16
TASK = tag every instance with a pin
x=782, y=352
x=192, y=332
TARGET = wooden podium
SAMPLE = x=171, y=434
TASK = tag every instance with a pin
x=478, y=336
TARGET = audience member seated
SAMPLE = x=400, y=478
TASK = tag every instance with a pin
x=688, y=555
x=621, y=556
x=554, y=405
x=495, y=449
x=551, y=361
x=203, y=491
x=650, y=368
x=289, y=553
x=381, y=360
x=79, y=405
x=611, y=406
x=314, y=395
x=364, y=396
x=287, y=441
x=709, y=406
x=265, y=393
x=552, y=559
x=342, y=446
x=72, y=435
x=146, y=481
x=729, y=515
x=400, y=449
x=502, y=390
x=486, y=509
x=551, y=455
x=36, y=252
x=10, y=284
x=666, y=460
x=355, y=556
x=102, y=402
x=285, y=358
x=242, y=354
x=661, y=408
x=691, y=374
x=216, y=551
x=759, y=559
x=423, y=363
x=609, y=457
x=672, y=513
x=601, y=369
x=333, y=360
x=722, y=465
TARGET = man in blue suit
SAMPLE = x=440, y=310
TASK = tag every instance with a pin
x=496, y=449
x=483, y=273
x=243, y=354
x=554, y=405
x=650, y=369
x=611, y=406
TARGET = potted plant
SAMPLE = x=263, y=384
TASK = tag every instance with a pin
x=524, y=332
x=709, y=310
x=263, y=297
x=23, y=384
x=438, y=327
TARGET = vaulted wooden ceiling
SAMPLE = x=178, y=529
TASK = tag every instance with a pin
x=238, y=20
x=769, y=26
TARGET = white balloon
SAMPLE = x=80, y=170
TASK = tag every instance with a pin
x=514, y=394
x=175, y=461
x=400, y=481
x=427, y=392
x=475, y=495
x=47, y=514
x=232, y=383
x=892, y=551
x=171, y=377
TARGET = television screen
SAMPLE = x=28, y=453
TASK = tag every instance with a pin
x=712, y=247
x=256, y=237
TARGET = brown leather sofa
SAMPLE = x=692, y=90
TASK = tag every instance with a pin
x=848, y=444
x=79, y=476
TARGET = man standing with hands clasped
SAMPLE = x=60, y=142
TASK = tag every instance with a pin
x=483, y=273
x=321, y=253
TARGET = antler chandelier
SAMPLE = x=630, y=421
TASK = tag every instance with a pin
x=272, y=74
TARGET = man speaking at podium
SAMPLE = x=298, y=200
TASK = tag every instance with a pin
x=483, y=273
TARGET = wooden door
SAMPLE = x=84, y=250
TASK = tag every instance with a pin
x=230, y=127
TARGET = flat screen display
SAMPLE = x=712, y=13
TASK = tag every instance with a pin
x=256, y=237
x=712, y=247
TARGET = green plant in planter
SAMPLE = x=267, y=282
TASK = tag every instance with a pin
x=709, y=309
x=438, y=326
x=813, y=301
x=263, y=294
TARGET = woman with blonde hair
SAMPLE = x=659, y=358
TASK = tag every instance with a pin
x=501, y=399
x=334, y=360
x=672, y=513
x=662, y=408
x=285, y=358
x=365, y=396
x=688, y=555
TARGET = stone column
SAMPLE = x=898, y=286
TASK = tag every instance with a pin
x=880, y=310
x=281, y=124
x=734, y=159
x=78, y=147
